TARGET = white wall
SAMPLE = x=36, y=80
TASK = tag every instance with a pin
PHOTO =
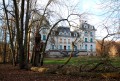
x=57, y=41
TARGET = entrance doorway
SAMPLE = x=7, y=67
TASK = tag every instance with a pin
x=64, y=47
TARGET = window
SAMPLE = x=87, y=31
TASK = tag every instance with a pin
x=86, y=33
x=60, y=40
x=75, y=48
x=75, y=34
x=68, y=47
x=69, y=34
x=60, y=33
x=44, y=37
x=68, y=41
x=43, y=31
x=91, y=40
x=85, y=26
x=86, y=47
x=91, y=34
x=86, y=40
x=60, y=46
x=52, y=47
x=52, y=40
x=53, y=33
x=80, y=46
x=64, y=41
x=91, y=47
x=65, y=33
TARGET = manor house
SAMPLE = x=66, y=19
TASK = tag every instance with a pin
x=61, y=38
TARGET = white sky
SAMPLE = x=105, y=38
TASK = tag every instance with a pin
x=93, y=7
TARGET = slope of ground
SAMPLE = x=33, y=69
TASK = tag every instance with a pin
x=10, y=73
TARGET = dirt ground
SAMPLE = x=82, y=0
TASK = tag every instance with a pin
x=10, y=73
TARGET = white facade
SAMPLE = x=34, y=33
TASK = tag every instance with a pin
x=62, y=38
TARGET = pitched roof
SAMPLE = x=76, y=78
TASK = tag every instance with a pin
x=63, y=29
x=86, y=26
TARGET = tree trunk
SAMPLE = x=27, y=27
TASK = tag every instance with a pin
x=42, y=52
x=36, y=57
x=22, y=63
x=42, y=59
x=10, y=33
x=4, y=51
x=28, y=46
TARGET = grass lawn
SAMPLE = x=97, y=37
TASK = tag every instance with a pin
x=82, y=60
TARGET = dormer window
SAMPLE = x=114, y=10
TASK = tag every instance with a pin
x=60, y=33
x=65, y=33
x=44, y=31
x=91, y=27
x=85, y=26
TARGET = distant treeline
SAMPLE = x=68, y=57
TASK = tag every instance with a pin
x=107, y=48
x=103, y=48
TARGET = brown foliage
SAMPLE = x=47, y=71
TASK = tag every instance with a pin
x=110, y=48
x=68, y=73
x=8, y=53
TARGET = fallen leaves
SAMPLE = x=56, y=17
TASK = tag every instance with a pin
x=39, y=69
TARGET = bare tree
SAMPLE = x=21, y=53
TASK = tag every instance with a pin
x=22, y=14
x=10, y=31
x=111, y=11
x=67, y=19
x=103, y=43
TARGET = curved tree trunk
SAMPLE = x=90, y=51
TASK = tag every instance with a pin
x=67, y=61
